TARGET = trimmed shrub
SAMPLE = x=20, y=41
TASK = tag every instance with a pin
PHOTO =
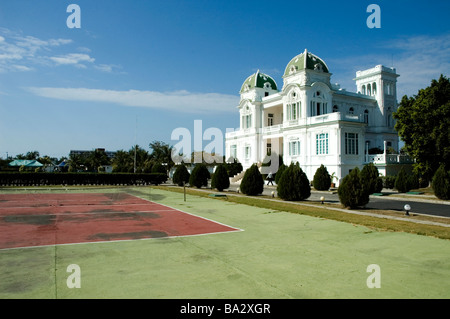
x=181, y=175
x=220, y=179
x=322, y=179
x=159, y=168
x=389, y=181
x=441, y=183
x=402, y=183
x=42, y=178
x=293, y=184
x=252, y=183
x=199, y=176
x=370, y=177
x=234, y=168
x=378, y=185
x=351, y=192
x=413, y=180
x=278, y=174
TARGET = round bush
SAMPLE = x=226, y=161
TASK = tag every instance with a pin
x=199, y=176
x=351, y=192
x=293, y=184
x=322, y=179
x=252, y=183
x=370, y=178
x=220, y=179
x=402, y=182
x=181, y=175
x=441, y=183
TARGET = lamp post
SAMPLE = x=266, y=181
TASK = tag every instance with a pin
x=407, y=208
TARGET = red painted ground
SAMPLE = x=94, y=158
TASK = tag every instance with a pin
x=48, y=219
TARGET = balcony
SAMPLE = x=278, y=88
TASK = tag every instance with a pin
x=274, y=129
x=383, y=159
x=336, y=116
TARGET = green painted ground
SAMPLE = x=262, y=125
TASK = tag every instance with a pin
x=278, y=255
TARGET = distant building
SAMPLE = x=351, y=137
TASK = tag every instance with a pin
x=110, y=154
x=312, y=121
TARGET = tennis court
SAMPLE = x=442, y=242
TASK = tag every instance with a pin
x=28, y=220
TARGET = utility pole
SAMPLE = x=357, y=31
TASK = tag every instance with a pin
x=135, y=145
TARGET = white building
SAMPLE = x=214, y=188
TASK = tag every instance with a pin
x=314, y=122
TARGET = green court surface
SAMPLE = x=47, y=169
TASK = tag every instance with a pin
x=277, y=255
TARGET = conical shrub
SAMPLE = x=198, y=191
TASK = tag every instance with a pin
x=370, y=177
x=351, y=192
x=252, y=183
x=181, y=175
x=220, y=179
x=322, y=179
x=199, y=176
x=293, y=184
x=441, y=183
x=402, y=182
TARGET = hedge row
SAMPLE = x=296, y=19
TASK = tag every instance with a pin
x=38, y=179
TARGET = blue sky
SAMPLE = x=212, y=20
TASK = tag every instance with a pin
x=163, y=64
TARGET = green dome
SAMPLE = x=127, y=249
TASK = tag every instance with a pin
x=305, y=60
x=259, y=80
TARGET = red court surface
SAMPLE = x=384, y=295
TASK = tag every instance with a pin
x=28, y=220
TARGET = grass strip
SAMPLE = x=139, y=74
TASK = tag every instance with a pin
x=381, y=224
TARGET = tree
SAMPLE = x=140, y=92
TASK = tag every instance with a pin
x=371, y=179
x=441, y=183
x=402, y=182
x=293, y=184
x=162, y=153
x=123, y=162
x=322, y=179
x=199, y=176
x=423, y=123
x=97, y=158
x=159, y=168
x=252, y=183
x=181, y=175
x=220, y=179
x=352, y=192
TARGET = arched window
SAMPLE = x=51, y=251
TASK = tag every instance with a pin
x=366, y=116
x=369, y=90
x=351, y=110
x=318, y=104
x=374, y=88
x=389, y=117
x=363, y=89
x=335, y=108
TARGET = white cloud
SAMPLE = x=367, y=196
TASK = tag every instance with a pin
x=417, y=59
x=180, y=101
x=21, y=68
x=72, y=58
x=420, y=59
x=33, y=52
